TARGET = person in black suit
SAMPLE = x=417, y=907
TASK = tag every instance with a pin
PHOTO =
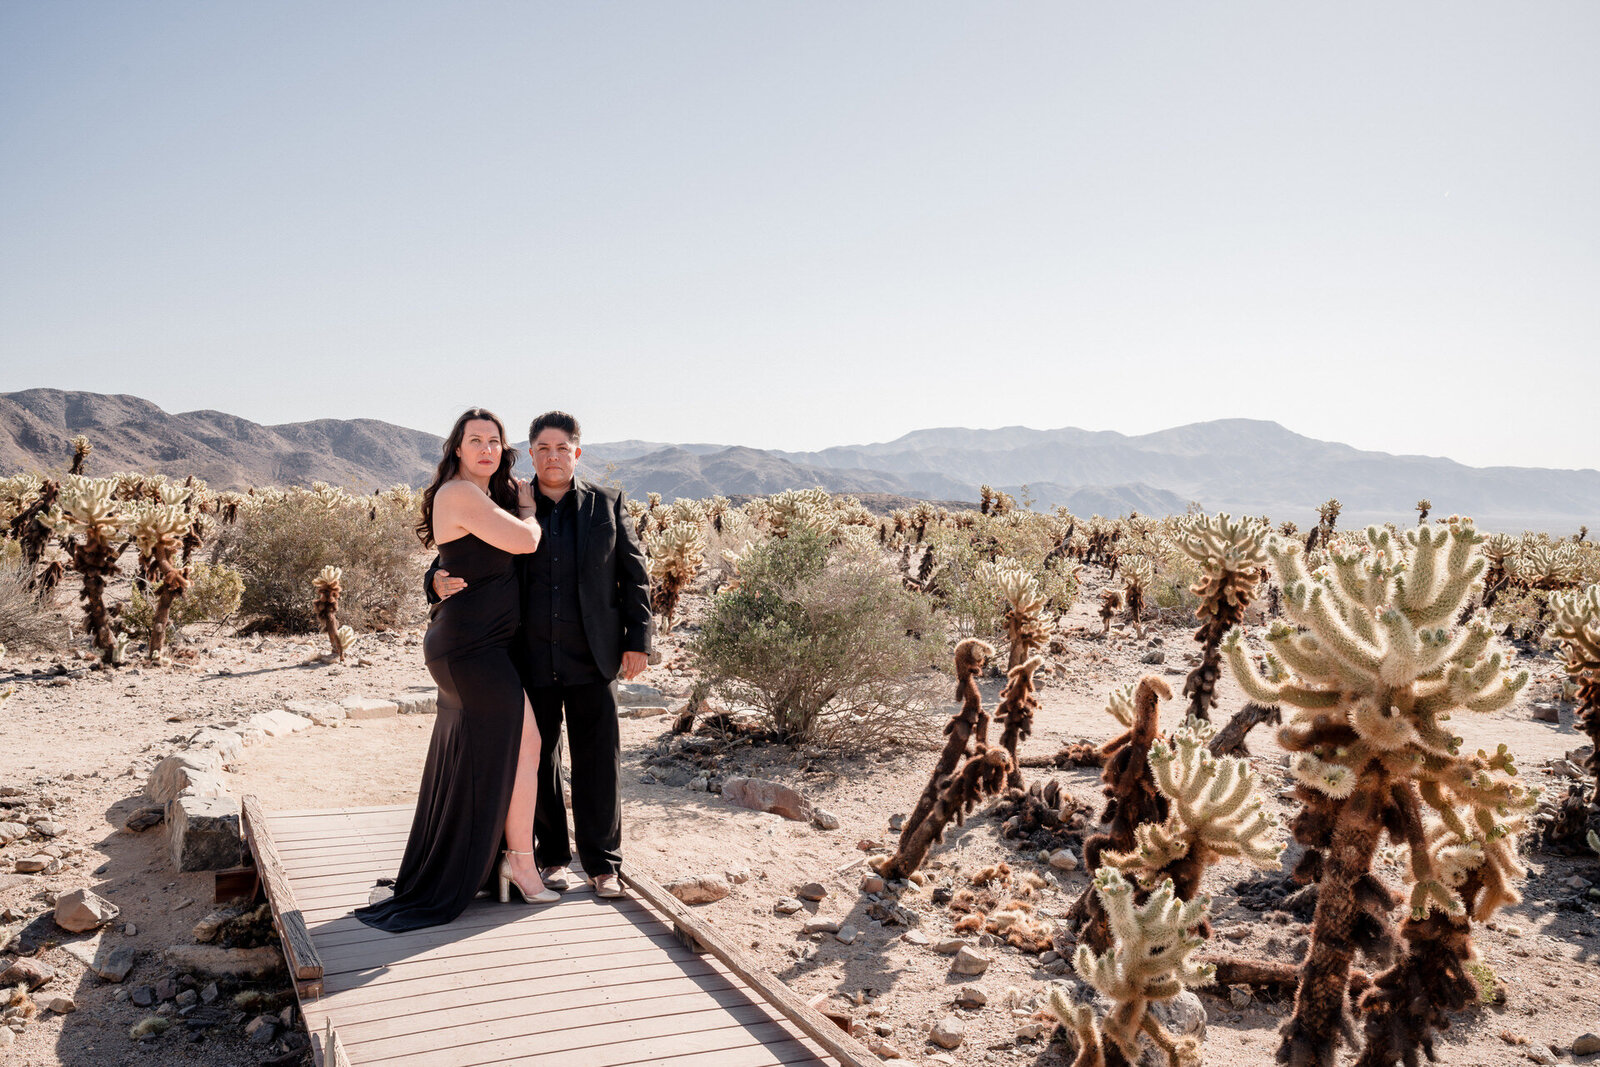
x=586, y=620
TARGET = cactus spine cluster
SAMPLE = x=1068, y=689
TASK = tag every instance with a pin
x=1577, y=626
x=158, y=531
x=1232, y=558
x=675, y=557
x=1138, y=573
x=328, y=587
x=1149, y=960
x=1372, y=673
x=88, y=510
x=80, y=453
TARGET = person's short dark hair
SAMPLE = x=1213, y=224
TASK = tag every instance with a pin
x=554, y=420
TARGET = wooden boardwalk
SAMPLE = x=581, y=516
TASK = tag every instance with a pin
x=603, y=983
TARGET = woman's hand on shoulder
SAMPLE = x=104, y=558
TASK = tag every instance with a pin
x=469, y=509
x=526, y=502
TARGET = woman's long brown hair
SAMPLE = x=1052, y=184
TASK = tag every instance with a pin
x=501, y=491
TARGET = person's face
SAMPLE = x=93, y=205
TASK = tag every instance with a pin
x=554, y=457
x=480, y=448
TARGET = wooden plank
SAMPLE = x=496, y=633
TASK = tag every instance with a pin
x=236, y=883
x=815, y=1025
x=428, y=980
x=298, y=948
x=611, y=1047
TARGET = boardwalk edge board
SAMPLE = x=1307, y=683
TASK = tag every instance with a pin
x=818, y=1027
x=305, y=965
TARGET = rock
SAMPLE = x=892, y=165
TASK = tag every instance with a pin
x=61, y=1005
x=203, y=833
x=187, y=999
x=914, y=937
x=948, y=1032
x=37, y=864
x=321, y=712
x=143, y=996
x=820, y=925
x=194, y=771
x=949, y=946
x=212, y=961
x=1544, y=711
x=228, y=744
x=144, y=818
x=1155, y=655
x=641, y=711
x=872, y=883
x=823, y=819
x=1586, y=1045
x=1239, y=996
x=1539, y=1054
x=12, y=831
x=210, y=993
x=49, y=827
x=6, y=1037
x=846, y=935
x=207, y=929
x=418, y=703
x=970, y=961
x=760, y=794
x=130, y=930
x=787, y=906
x=282, y=723
x=972, y=996
x=83, y=910
x=737, y=876
x=897, y=823
x=698, y=889
x=812, y=891
x=166, y=989
x=262, y=1029
x=1563, y=767
x=1033, y=1031
x=361, y=708
x=112, y=964
x=27, y=972
x=1064, y=859
x=633, y=694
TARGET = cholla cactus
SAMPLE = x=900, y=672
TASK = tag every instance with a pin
x=88, y=510
x=1024, y=621
x=80, y=453
x=1423, y=507
x=783, y=512
x=158, y=531
x=1214, y=811
x=1110, y=604
x=675, y=557
x=1138, y=574
x=1577, y=626
x=1232, y=558
x=1545, y=566
x=1149, y=960
x=326, y=607
x=1372, y=676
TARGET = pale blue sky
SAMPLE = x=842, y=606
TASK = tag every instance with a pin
x=796, y=225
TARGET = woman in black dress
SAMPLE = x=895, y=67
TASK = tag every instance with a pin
x=480, y=780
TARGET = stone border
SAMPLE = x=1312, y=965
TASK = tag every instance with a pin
x=190, y=791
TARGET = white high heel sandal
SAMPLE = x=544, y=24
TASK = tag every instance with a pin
x=544, y=896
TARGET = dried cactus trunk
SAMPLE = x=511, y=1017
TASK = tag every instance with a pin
x=326, y=607
x=1110, y=603
x=968, y=726
x=1230, y=739
x=1132, y=799
x=1017, y=707
x=983, y=774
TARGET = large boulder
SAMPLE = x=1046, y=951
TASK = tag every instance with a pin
x=762, y=794
x=203, y=833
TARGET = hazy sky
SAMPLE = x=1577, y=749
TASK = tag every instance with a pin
x=803, y=224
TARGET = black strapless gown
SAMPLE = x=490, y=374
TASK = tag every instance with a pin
x=459, y=827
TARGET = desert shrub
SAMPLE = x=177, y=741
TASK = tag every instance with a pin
x=823, y=640
x=214, y=593
x=26, y=624
x=281, y=543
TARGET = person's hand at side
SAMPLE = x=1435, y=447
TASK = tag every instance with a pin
x=445, y=585
x=633, y=665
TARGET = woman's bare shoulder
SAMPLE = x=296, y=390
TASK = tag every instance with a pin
x=458, y=489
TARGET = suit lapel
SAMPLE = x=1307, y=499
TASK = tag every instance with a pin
x=583, y=508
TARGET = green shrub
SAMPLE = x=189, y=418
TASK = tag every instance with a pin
x=825, y=641
x=280, y=544
x=214, y=593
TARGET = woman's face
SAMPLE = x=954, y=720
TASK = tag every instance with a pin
x=480, y=448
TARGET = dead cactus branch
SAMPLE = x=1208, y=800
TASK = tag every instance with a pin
x=967, y=726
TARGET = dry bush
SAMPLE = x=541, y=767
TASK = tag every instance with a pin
x=214, y=593
x=26, y=624
x=824, y=640
x=281, y=544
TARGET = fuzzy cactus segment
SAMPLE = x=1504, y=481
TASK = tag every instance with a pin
x=1576, y=624
x=1377, y=660
x=1149, y=960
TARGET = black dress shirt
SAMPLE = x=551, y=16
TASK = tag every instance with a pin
x=558, y=649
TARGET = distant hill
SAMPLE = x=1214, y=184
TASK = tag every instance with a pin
x=1244, y=466
x=130, y=434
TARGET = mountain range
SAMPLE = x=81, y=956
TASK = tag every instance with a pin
x=1244, y=466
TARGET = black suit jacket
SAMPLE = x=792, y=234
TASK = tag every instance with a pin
x=613, y=581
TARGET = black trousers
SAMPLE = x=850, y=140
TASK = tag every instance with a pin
x=595, y=753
